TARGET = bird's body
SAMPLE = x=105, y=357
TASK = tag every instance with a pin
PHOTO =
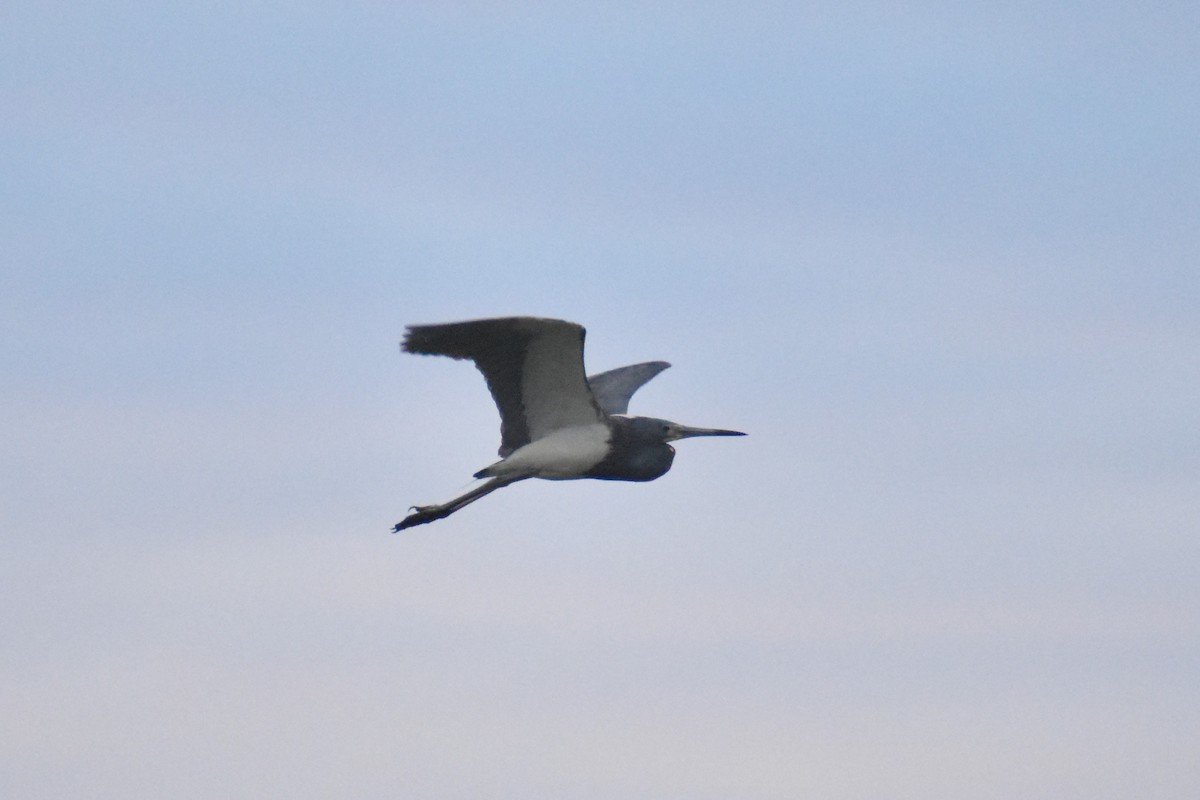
x=555, y=422
x=560, y=455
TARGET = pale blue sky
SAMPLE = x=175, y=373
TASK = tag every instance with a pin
x=940, y=261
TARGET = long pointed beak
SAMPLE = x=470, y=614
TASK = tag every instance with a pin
x=684, y=432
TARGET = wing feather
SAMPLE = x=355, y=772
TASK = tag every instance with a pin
x=614, y=387
x=533, y=368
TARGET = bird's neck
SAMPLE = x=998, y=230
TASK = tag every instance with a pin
x=634, y=455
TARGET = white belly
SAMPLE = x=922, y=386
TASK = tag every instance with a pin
x=567, y=453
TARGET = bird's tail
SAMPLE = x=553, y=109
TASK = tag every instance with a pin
x=488, y=471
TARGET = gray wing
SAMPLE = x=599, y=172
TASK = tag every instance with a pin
x=533, y=368
x=614, y=388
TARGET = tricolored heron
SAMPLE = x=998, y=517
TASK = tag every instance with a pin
x=556, y=422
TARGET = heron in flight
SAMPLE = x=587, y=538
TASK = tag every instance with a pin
x=556, y=422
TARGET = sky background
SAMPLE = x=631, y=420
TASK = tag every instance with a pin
x=940, y=260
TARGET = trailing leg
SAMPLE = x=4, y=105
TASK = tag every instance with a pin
x=424, y=514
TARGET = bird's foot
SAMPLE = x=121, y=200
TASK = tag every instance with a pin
x=420, y=516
